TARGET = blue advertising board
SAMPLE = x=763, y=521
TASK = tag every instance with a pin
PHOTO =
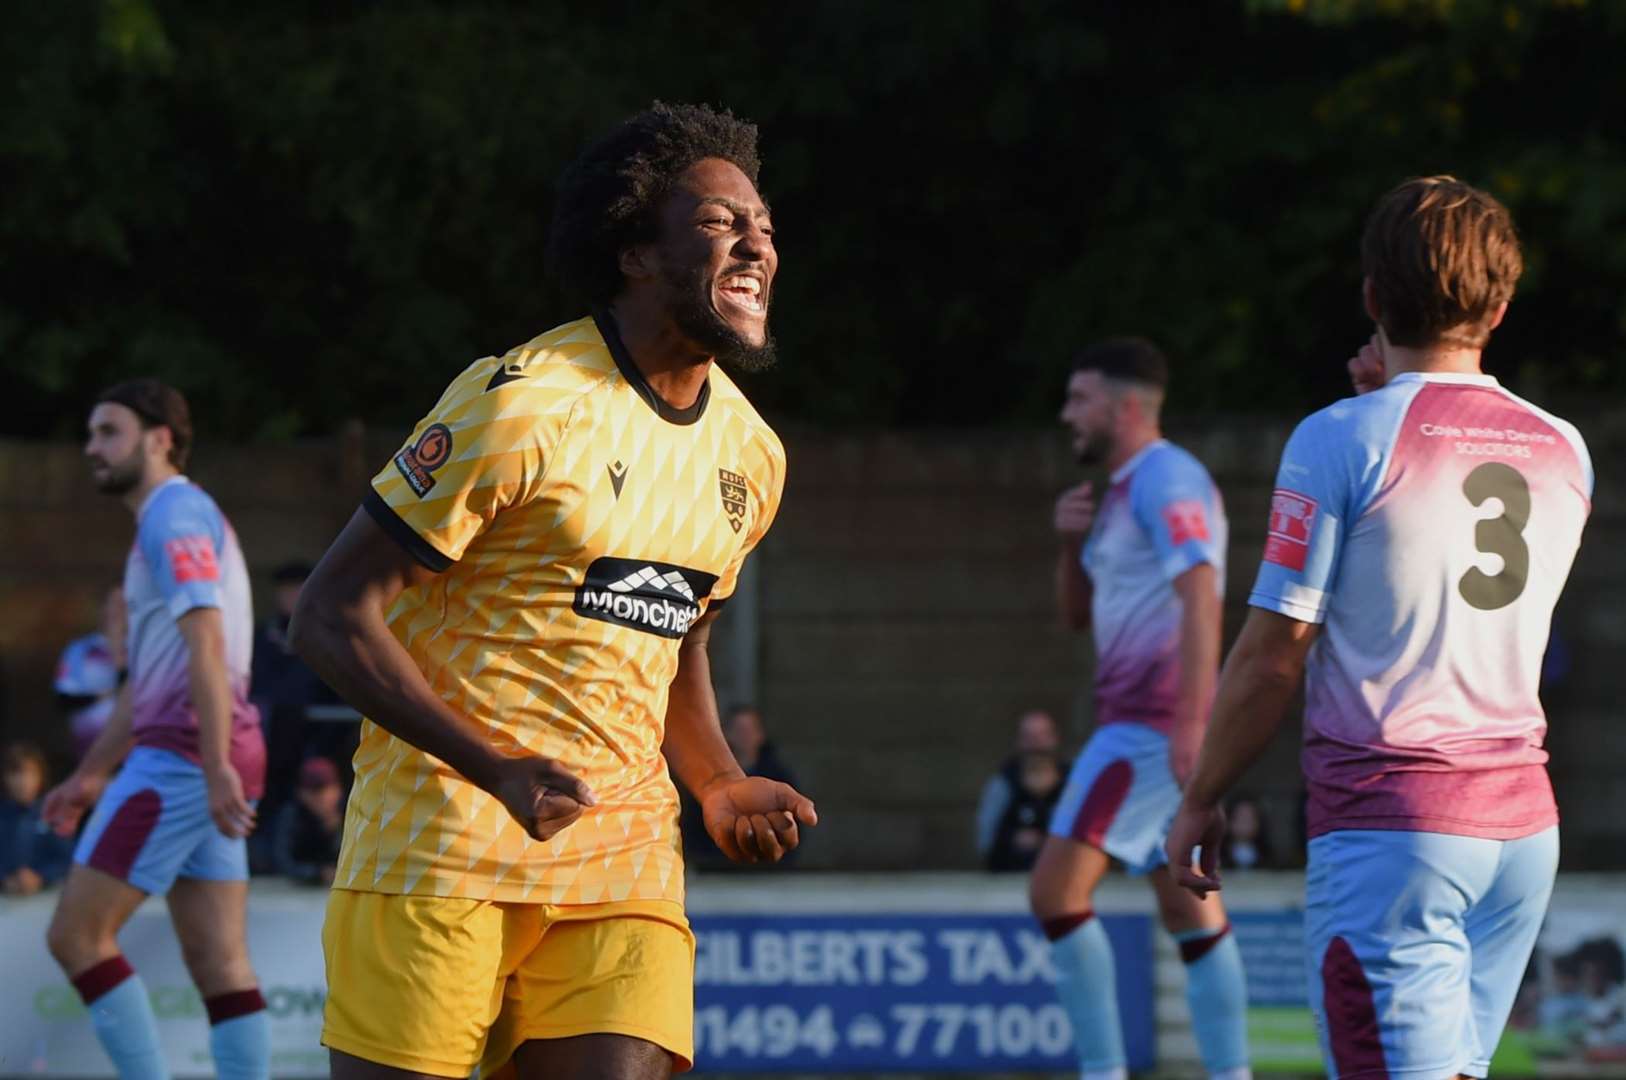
x=905, y=993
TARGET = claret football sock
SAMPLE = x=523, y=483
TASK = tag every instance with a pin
x=1087, y=985
x=240, y=1035
x=122, y=1017
x=1217, y=992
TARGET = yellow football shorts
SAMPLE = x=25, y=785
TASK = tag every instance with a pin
x=441, y=984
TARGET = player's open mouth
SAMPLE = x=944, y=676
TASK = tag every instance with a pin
x=743, y=291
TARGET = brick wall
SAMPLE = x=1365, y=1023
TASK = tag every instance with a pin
x=905, y=612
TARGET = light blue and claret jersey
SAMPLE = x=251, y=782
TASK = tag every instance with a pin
x=1160, y=517
x=1428, y=527
x=186, y=556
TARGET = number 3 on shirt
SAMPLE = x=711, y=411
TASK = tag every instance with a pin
x=1502, y=535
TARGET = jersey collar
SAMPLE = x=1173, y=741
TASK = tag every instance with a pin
x=1122, y=472
x=153, y=494
x=635, y=378
x=1450, y=378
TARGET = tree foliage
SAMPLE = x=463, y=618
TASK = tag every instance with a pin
x=306, y=212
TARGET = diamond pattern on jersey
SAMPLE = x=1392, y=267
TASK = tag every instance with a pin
x=557, y=625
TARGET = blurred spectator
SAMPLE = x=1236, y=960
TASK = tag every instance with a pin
x=31, y=855
x=1013, y=813
x=284, y=687
x=1247, y=844
x=1602, y=965
x=88, y=673
x=743, y=728
x=746, y=736
x=307, y=830
x=1585, y=1009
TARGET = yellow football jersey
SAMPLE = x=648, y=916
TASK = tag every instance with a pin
x=581, y=525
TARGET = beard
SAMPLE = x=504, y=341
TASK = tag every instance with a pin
x=698, y=319
x=1095, y=449
x=119, y=477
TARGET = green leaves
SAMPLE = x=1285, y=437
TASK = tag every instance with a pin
x=325, y=211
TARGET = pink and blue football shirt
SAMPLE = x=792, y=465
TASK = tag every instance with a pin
x=1161, y=516
x=186, y=556
x=1429, y=527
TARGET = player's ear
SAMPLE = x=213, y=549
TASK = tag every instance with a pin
x=1369, y=299
x=160, y=440
x=638, y=261
x=1497, y=316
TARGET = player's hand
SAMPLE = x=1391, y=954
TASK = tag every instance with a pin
x=1193, y=827
x=66, y=804
x=1366, y=371
x=754, y=819
x=228, y=807
x=541, y=794
x=23, y=882
x=1184, y=744
x=1075, y=513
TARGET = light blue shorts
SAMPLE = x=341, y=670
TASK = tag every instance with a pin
x=152, y=826
x=1120, y=796
x=1416, y=943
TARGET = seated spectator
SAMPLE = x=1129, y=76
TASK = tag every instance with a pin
x=31, y=855
x=1013, y=814
x=748, y=739
x=89, y=672
x=746, y=736
x=1247, y=843
x=308, y=829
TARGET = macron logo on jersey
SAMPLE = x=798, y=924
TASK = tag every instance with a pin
x=655, y=597
x=1186, y=519
x=1287, y=541
x=191, y=558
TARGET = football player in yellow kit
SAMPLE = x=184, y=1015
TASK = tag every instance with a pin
x=520, y=607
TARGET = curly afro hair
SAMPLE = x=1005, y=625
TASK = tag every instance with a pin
x=608, y=197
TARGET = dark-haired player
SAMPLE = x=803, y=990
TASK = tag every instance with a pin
x=1146, y=574
x=521, y=609
x=1419, y=537
x=172, y=821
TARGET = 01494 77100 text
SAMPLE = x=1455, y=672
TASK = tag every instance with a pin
x=889, y=991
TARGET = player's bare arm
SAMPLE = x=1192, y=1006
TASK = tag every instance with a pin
x=68, y=802
x=752, y=819
x=204, y=629
x=1199, y=660
x=1255, y=688
x=339, y=629
x=1075, y=513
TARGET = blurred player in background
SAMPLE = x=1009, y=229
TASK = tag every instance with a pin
x=1146, y=573
x=1419, y=537
x=521, y=608
x=173, y=820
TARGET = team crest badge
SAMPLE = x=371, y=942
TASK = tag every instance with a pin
x=732, y=485
x=419, y=461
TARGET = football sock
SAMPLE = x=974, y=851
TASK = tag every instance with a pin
x=122, y=1017
x=1217, y=992
x=240, y=1035
x=1087, y=985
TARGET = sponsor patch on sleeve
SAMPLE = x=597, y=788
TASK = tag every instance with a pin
x=1292, y=518
x=418, y=462
x=1186, y=519
x=191, y=558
